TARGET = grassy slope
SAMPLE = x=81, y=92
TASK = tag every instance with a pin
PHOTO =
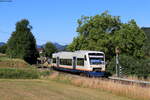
x=49, y=90
x=12, y=63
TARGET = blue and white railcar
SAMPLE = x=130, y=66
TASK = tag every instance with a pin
x=91, y=63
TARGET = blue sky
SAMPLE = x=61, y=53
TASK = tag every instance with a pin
x=56, y=20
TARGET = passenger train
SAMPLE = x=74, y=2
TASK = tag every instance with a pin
x=90, y=63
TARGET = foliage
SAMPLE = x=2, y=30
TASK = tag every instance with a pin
x=143, y=68
x=147, y=44
x=14, y=73
x=130, y=39
x=22, y=43
x=131, y=66
x=105, y=32
x=126, y=62
x=3, y=49
x=49, y=49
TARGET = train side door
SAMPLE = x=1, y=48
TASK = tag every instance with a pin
x=74, y=62
x=57, y=61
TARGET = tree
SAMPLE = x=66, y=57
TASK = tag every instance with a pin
x=147, y=42
x=49, y=49
x=22, y=43
x=130, y=39
x=95, y=33
x=105, y=32
x=3, y=48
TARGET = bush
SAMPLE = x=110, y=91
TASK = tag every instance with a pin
x=143, y=68
x=126, y=62
x=14, y=73
x=131, y=66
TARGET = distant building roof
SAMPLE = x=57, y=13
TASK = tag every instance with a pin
x=40, y=50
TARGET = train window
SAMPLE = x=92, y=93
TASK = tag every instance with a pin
x=66, y=61
x=54, y=60
x=95, y=61
x=80, y=61
x=85, y=58
x=96, y=54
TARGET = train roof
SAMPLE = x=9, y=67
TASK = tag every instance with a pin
x=88, y=51
x=80, y=53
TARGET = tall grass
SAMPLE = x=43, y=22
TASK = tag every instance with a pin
x=23, y=73
x=133, y=91
x=17, y=73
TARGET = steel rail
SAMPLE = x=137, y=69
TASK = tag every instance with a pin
x=143, y=83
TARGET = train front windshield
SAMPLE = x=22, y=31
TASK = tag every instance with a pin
x=96, y=61
x=96, y=58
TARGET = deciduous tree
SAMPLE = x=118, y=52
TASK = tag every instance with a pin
x=105, y=32
x=49, y=49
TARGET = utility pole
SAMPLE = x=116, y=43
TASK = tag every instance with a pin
x=117, y=62
x=120, y=71
x=117, y=65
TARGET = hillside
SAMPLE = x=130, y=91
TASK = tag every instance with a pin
x=60, y=47
x=12, y=63
x=50, y=90
x=57, y=45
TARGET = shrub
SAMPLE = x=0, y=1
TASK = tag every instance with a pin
x=131, y=66
x=45, y=73
x=14, y=73
x=143, y=68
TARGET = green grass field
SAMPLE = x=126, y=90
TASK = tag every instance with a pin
x=50, y=90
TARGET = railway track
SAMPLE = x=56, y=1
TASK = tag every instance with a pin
x=128, y=81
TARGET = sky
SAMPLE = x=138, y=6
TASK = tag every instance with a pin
x=56, y=20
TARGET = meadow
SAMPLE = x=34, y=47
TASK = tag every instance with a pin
x=133, y=91
x=26, y=82
x=41, y=89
